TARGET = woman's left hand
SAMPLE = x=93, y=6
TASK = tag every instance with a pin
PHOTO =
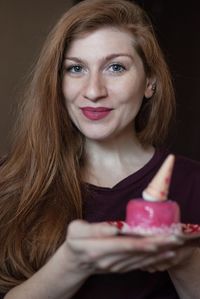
x=176, y=257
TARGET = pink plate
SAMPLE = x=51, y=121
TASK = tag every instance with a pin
x=187, y=232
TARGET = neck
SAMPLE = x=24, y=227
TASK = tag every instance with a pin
x=112, y=149
x=123, y=152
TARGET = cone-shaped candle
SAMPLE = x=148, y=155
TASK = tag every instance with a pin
x=155, y=213
x=158, y=188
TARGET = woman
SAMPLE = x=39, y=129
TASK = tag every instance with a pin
x=98, y=107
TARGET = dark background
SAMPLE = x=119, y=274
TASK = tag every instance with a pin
x=25, y=24
x=177, y=25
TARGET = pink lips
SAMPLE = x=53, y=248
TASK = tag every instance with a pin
x=95, y=113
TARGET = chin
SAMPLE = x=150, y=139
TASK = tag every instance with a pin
x=96, y=136
x=95, y=132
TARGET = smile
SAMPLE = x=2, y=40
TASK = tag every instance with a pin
x=95, y=113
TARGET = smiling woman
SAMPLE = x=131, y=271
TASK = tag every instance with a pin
x=93, y=82
x=97, y=110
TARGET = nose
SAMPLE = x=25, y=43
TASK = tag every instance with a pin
x=95, y=88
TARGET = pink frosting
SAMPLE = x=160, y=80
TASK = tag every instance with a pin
x=148, y=214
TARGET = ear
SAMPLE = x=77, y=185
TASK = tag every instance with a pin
x=150, y=87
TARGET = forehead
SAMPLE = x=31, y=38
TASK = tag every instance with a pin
x=102, y=41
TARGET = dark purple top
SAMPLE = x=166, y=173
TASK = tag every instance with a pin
x=110, y=203
x=102, y=204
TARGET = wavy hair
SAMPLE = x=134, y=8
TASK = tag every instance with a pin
x=40, y=181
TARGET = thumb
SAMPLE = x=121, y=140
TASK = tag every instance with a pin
x=83, y=229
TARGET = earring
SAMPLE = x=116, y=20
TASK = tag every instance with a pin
x=153, y=87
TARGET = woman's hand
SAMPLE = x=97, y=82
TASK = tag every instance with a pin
x=96, y=248
x=179, y=257
x=183, y=269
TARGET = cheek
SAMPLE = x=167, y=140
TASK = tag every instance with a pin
x=131, y=100
x=69, y=91
x=131, y=87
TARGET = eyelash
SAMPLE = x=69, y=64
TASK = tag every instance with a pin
x=120, y=66
x=72, y=68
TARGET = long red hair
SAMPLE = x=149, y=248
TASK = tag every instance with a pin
x=40, y=181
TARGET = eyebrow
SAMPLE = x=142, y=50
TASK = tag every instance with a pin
x=107, y=58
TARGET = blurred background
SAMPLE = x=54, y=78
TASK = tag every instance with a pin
x=25, y=24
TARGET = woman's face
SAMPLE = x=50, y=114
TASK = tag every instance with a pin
x=104, y=83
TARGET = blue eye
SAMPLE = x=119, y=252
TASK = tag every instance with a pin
x=118, y=68
x=74, y=69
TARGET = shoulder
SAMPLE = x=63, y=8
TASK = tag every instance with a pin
x=186, y=168
x=185, y=188
x=187, y=163
x=185, y=185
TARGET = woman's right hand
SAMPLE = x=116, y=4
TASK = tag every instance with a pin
x=91, y=249
x=97, y=248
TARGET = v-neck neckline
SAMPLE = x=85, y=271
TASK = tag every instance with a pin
x=132, y=178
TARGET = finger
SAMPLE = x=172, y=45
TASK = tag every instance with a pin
x=164, y=266
x=109, y=263
x=83, y=229
x=163, y=257
x=104, y=246
x=151, y=261
x=106, y=263
x=164, y=242
x=181, y=256
x=158, y=267
x=124, y=265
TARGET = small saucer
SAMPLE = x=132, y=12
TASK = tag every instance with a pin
x=184, y=231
